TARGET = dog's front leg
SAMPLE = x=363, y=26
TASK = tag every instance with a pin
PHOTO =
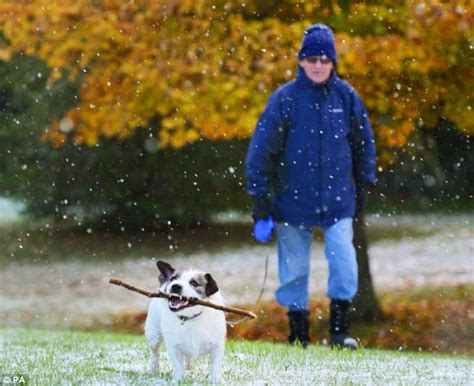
x=154, y=335
x=155, y=359
x=217, y=353
x=154, y=340
x=178, y=364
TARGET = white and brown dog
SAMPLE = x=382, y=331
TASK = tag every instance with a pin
x=188, y=331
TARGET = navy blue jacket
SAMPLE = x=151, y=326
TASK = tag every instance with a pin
x=311, y=146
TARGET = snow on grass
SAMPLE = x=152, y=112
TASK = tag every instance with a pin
x=61, y=357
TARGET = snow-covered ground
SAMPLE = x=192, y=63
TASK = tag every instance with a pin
x=74, y=292
x=63, y=357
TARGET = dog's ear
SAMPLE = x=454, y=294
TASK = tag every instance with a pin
x=166, y=271
x=211, y=285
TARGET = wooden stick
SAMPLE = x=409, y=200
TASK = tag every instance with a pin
x=191, y=300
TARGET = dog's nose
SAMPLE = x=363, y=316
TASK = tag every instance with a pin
x=176, y=289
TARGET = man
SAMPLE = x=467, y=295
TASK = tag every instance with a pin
x=308, y=164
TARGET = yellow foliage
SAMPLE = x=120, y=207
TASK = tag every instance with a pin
x=207, y=69
x=5, y=54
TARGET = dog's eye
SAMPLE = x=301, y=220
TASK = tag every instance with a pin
x=174, y=277
x=194, y=283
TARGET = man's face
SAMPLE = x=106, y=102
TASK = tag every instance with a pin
x=317, y=68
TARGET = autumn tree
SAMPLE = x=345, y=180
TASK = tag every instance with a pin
x=204, y=69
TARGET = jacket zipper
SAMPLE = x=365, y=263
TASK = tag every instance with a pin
x=321, y=133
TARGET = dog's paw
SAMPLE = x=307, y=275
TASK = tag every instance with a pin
x=178, y=376
x=154, y=367
x=154, y=370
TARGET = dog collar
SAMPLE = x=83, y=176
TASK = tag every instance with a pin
x=186, y=318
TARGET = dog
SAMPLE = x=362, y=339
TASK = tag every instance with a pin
x=188, y=331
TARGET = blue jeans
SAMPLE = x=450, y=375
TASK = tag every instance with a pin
x=294, y=250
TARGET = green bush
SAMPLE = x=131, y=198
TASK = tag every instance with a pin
x=433, y=172
x=129, y=184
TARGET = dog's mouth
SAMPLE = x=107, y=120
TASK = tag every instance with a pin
x=176, y=303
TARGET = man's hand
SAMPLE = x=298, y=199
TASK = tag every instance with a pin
x=263, y=229
x=262, y=214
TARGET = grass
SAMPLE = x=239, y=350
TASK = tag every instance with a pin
x=65, y=357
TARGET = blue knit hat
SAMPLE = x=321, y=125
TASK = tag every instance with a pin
x=318, y=40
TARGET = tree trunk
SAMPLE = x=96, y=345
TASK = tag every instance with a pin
x=365, y=303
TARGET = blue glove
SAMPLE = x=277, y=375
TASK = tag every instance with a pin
x=262, y=230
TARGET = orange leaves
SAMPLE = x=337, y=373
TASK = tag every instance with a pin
x=413, y=72
x=53, y=135
x=206, y=69
x=396, y=137
x=435, y=320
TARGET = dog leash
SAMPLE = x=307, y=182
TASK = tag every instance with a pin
x=262, y=290
x=264, y=280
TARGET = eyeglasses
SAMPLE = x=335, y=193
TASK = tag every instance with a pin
x=314, y=59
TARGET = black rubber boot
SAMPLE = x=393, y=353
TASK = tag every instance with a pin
x=299, y=327
x=339, y=325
